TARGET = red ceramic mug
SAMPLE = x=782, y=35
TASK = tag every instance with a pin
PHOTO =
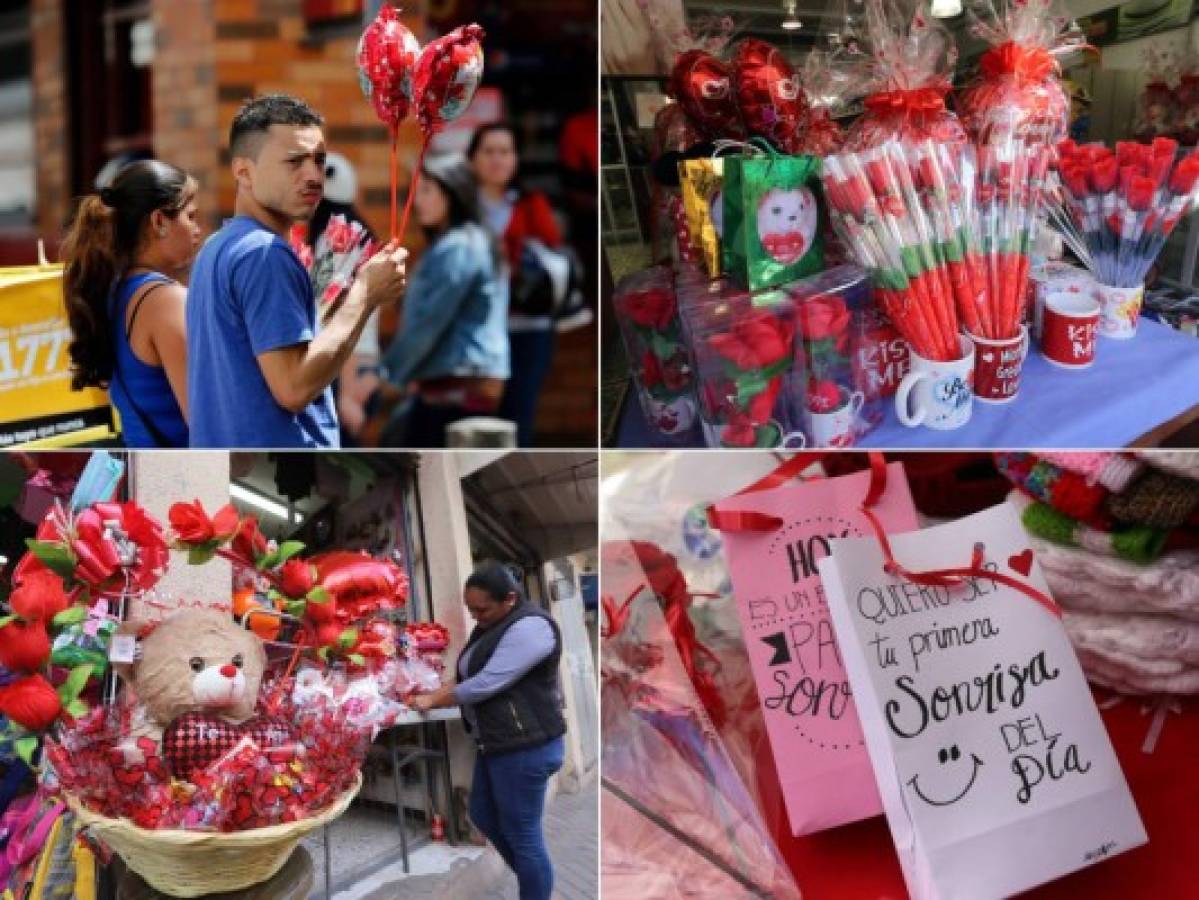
x=997, y=365
x=1070, y=325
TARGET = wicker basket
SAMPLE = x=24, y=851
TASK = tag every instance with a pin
x=194, y=863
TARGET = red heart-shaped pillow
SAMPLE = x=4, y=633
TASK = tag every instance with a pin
x=196, y=740
x=703, y=85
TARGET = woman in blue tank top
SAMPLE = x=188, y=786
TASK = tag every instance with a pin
x=122, y=255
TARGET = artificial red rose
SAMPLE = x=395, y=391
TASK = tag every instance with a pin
x=96, y=555
x=740, y=431
x=1140, y=192
x=193, y=526
x=376, y=639
x=823, y=396
x=321, y=613
x=39, y=597
x=756, y=341
x=31, y=702
x=249, y=542
x=328, y=634
x=651, y=370
x=1185, y=174
x=652, y=308
x=761, y=406
x=297, y=578
x=822, y=316
x=24, y=646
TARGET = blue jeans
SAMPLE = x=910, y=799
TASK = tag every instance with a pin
x=532, y=357
x=507, y=801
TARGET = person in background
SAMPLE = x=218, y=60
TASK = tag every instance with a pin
x=514, y=216
x=507, y=686
x=359, y=377
x=124, y=256
x=258, y=370
x=451, y=351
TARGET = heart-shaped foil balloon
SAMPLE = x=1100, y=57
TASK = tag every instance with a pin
x=703, y=85
x=448, y=72
x=387, y=54
x=772, y=101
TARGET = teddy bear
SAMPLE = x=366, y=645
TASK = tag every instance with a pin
x=196, y=677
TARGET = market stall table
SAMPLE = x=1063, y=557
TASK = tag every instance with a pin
x=1132, y=389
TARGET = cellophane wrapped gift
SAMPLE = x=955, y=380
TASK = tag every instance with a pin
x=647, y=312
x=835, y=389
x=678, y=820
x=742, y=352
x=827, y=86
x=1018, y=93
x=1186, y=129
x=905, y=60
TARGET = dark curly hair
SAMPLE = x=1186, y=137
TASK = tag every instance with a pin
x=99, y=248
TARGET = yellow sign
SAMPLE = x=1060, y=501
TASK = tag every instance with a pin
x=36, y=400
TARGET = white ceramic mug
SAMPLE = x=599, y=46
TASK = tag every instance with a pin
x=837, y=428
x=941, y=392
x=794, y=440
x=1119, y=310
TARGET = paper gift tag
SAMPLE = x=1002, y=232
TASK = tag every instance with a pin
x=809, y=709
x=995, y=770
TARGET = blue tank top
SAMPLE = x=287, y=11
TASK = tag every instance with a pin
x=147, y=383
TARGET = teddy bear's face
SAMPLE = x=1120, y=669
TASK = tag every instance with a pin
x=198, y=660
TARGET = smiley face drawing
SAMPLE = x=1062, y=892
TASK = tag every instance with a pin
x=787, y=223
x=945, y=756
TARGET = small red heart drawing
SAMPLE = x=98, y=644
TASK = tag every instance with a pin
x=1021, y=562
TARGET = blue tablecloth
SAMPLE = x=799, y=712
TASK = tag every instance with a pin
x=1133, y=387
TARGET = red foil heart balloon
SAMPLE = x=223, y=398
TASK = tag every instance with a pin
x=448, y=73
x=772, y=102
x=703, y=85
x=387, y=54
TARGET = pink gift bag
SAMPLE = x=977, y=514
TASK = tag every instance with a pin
x=811, y=719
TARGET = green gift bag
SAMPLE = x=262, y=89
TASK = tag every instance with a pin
x=771, y=219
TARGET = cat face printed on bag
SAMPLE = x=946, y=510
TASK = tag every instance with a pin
x=787, y=223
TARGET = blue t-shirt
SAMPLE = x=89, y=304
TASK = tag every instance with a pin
x=249, y=294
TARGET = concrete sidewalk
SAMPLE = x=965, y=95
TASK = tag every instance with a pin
x=442, y=872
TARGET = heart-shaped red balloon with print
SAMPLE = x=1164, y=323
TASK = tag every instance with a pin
x=772, y=102
x=703, y=86
x=387, y=54
x=196, y=740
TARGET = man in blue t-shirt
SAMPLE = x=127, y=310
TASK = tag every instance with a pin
x=258, y=373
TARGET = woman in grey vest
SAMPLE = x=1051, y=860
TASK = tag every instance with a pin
x=511, y=704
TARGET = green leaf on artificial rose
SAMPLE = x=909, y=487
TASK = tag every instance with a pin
x=286, y=551
x=297, y=608
x=661, y=347
x=323, y=653
x=25, y=748
x=197, y=556
x=318, y=595
x=4, y=620
x=77, y=709
x=348, y=638
x=55, y=557
x=72, y=615
x=71, y=688
x=267, y=561
x=357, y=659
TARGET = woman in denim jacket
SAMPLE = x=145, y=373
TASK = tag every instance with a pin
x=452, y=347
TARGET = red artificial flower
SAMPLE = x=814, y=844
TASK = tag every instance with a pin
x=39, y=597
x=651, y=370
x=376, y=639
x=756, y=341
x=24, y=646
x=192, y=525
x=31, y=702
x=1140, y=192
x=320, y=613
x=653, y=308
x=1067, y=148
x=1113, y=223
x=1075, y=179
x=328, y=634
x=1104, y=174
x=96, y=555
x=1185, y=174
x=249, y=542
x=761, y=406
x=739, y=431
x=823, y=396
x=822, y=316
x=297, y=578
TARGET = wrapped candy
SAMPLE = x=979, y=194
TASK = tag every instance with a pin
x=907, y=58
x=703, y=86
x=1018, y=92
x=769, y=96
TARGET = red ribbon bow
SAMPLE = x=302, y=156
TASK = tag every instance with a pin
x=1026, y=63
x=928, y=99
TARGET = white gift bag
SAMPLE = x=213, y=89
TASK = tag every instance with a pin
x=994, y=767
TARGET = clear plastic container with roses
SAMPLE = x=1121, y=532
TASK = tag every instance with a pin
x=647, y=312
x=741, y=347
x=848, y=358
